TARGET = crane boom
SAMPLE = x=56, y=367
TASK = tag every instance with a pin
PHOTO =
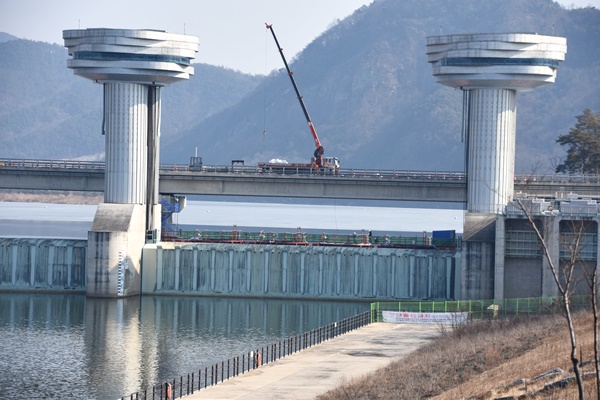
x=318, y=154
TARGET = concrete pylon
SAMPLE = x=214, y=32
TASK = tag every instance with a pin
x=491, y=68
x=132, y=66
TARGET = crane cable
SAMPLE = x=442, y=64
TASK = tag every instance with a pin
x=265, y=96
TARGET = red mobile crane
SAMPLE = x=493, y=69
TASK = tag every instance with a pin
x=331, y=163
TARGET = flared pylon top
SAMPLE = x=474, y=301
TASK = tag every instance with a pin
x=515, y=61
x=143, y=56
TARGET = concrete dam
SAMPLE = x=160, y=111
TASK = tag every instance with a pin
x=43, y=264
x=242, y=270
x=310, y=272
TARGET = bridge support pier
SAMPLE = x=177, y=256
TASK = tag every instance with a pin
x=132, y=65
x=114, y=250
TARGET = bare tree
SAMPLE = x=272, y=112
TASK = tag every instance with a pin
x=594, y=287
x=564, y=283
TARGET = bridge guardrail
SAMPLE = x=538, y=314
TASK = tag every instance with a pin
x=341, y=173
x=62, y=164
x=353, y=173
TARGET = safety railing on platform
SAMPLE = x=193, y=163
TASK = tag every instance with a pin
x=299, y=238
x=185, y=385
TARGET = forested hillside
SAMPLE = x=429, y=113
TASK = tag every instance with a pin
x=371, y=95
x=47, y=112
x=366, y=83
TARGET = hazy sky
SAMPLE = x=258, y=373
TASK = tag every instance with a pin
x=232, y=32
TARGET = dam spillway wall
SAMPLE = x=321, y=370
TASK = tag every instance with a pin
x=43, y=264
x=260, y=271
x=311, y=272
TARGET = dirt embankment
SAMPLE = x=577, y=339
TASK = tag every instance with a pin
x=509, y=359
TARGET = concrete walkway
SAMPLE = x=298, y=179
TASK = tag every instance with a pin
x=313, y=371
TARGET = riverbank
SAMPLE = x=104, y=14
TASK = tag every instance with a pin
x=52, y=197
x=520, y=358
x=517, y=358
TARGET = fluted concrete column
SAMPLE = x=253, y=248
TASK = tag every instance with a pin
x=126, y=119
x=153, y=211
x=491, y=154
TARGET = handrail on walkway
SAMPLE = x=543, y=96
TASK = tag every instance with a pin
x=187, y=384
x=211, y=375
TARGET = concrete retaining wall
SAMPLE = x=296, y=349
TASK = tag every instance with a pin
x=43, y=264
x=299, y=271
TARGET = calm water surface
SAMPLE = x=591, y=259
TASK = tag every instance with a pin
x=73, y=221
x=68, y=346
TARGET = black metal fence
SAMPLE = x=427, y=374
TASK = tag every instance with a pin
x=185, y=385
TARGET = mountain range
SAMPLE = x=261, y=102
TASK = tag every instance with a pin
x=365, y=81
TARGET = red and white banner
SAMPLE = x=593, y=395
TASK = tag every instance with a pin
x=402, y=317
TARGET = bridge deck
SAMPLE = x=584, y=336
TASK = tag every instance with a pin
x=432, y=186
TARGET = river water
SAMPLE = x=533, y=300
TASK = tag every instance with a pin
x=55, y=346
x=41, y=220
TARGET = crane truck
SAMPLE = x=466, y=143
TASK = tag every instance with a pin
x=319, y=164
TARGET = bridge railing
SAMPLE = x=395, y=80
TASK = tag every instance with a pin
x=355, y=173
x=63, y=164
x=292, y=170
x=235, y=169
